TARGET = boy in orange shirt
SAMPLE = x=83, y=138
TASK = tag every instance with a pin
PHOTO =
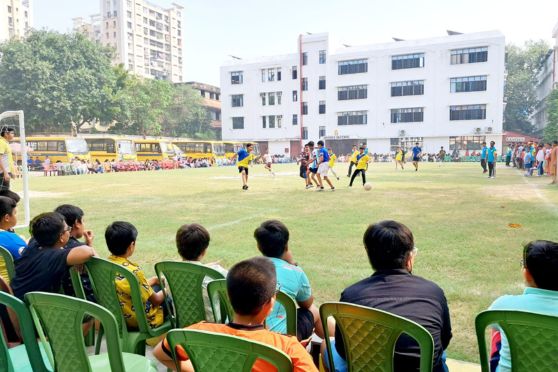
x=251, y=285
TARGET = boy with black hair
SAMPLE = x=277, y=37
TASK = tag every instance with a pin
x=393, y=288
x=251, y=286
x=192, y=241
x=74, y=218
x=272, y=237
x=243, y=159
x=540, y=273
x=362, y=166
x=312, y=163
x=121, y=238
x=42, y=266
x=323, y=166
x=8, y=238
x=7, y=168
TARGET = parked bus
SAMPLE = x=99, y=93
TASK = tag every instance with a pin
x=154, y=149
x=195, y=149
x=63, y=149
x=111, y=148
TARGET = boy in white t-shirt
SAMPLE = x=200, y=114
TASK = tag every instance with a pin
x=268, y=161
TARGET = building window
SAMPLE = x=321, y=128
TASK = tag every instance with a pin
x=271, y=121
x=354, y=66
x=322, y=107
x=469, y=55
x=294, y=72
x=295, y=95
x=407, y=61
x=304, y=83
x=263, y=122
x=262, y=96
x=322, y=58
x=237, y=100
x=278, y=74
x=352, y=92
x=407, y=88
x=304, y=108
x=279, y=94
x=473, y=143
x=322, y=132
x=238, y=122
x=9, y=9
x=304, y=133
x=271, y=74
x=352, y=118
x=322, y=83
x=468, y=112
x=304, y=58
x=295, y=119
x=468, y=84
x=407, y=115
x=271, y=98
x=279, y=120
x=237, y=77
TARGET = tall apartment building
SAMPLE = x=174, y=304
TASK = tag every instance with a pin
x=16, y=18
x=211, y=101
x=445, y=91
x=547, y=80
x=146, y=37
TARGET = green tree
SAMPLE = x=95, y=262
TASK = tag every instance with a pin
x=186, y=116
x=60, y=81
x=551, y=129
x=522, y=65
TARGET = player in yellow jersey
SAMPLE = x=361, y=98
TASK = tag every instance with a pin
x=332, y=160
x=362, y=164
x=399, y=158
x=353, y=160
x=243, y=159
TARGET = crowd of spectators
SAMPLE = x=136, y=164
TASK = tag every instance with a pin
x=59, y=240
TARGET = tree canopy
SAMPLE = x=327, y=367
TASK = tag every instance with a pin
x=551, y=129
x=64, y=81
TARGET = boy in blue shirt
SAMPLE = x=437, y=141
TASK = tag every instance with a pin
x=272, y=237
x=483, y=157
x=417, y=151
x=491, y=156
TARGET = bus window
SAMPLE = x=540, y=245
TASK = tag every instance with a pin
x=75, y=146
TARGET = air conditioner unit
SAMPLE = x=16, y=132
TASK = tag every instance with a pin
x=477, y=130
x=488, y=129
x=402, y=133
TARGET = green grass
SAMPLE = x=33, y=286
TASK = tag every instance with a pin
x=459, y=219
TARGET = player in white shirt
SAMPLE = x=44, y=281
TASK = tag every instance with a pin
x=268, y=161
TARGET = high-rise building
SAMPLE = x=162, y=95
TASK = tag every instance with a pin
x=16, y=18
x=547, y=80
x=211, y=101
x=444, y=91
x=146, y=37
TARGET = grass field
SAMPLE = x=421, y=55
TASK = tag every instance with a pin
x=459, y=219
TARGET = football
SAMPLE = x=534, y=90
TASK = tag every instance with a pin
x=367, y=186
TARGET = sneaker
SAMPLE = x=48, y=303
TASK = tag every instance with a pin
x=245, y=187
x=337, y=178
x=333, y=189
x=320, y=189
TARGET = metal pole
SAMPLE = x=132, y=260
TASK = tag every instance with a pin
x=23, y=142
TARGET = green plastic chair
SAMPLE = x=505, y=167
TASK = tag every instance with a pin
x=532, y=339
x=25, y=357
x=80, y=293
x=216, y=352
x=218, y=295
x=185, y=281
x=8, y=259
x=60, y=317
x=370, y=335
x=102, y=274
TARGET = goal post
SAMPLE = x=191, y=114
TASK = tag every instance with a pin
x=25, y=171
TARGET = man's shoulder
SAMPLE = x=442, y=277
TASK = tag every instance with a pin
x=420, y=286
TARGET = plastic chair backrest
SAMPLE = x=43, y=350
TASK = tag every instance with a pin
x=8, y=259
x=370, y=335
x=60, y=317
x=532, y=339
x=215, y=352
x=27, y=331
x=218, y=296
x=217, y=290
x=102, y=274
x=185, y=281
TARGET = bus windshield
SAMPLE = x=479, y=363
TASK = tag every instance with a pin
x=125, y=147
x=77, y=146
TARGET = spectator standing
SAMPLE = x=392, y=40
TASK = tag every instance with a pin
x=7, y=168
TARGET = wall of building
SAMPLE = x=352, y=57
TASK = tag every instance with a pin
x=16, y=18
x=436, y=127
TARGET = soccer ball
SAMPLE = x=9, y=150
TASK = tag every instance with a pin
x=367, y=186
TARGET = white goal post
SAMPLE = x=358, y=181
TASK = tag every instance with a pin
x=26, y=208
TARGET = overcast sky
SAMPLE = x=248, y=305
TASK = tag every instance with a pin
x=215, y=29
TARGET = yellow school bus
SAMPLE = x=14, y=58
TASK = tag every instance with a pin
x=111, y=148
x=63, y=149
x=195, y=149
x=154, y=149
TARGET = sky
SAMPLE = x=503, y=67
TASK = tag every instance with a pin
x=215, y=29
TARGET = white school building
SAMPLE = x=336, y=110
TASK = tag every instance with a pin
x=445, y=91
